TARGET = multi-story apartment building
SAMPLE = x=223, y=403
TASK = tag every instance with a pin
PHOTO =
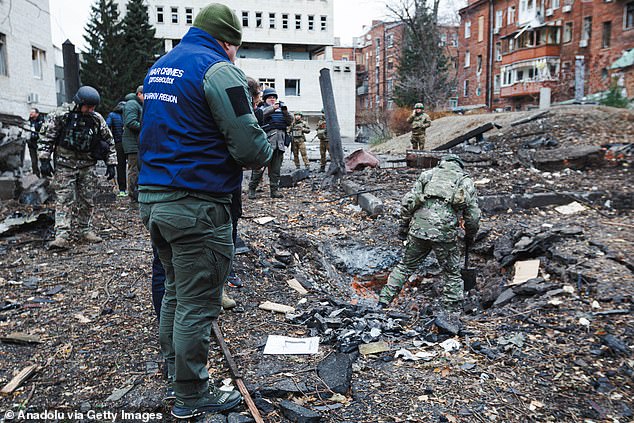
x=512, y=49
x=284, y=45
x=377, y=54
x=27, y=58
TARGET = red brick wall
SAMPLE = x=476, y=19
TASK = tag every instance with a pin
x=475, y=47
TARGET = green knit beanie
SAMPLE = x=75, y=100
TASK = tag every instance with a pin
x=220, y=22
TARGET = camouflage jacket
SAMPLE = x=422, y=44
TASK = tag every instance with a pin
x=322, y=130
x=439, y=197
x=419, y=122
x=298, y=129
x=60, y=125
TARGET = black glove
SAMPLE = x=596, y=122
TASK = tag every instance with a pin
x=110, y=172
x=403, y=231
x=46, y=169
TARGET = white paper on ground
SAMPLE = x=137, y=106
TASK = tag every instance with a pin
x=276, y=344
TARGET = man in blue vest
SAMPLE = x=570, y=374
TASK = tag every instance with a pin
x=198, y=133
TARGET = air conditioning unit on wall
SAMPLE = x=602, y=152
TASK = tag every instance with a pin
x=583, y=43
x=33, y=98
x=496, y=30
x=567, y=8
x=549, y=12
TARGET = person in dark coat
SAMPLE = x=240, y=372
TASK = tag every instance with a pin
x=115, y=123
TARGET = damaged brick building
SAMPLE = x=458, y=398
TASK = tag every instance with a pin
x=512, y=49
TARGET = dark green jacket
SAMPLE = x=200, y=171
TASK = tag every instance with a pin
x=132, y=117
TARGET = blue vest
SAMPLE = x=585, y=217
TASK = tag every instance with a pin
x=180, y=144
x=276, y=120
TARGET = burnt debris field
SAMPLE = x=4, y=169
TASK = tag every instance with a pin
x=546, y=335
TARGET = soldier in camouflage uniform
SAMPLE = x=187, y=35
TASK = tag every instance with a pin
x=77, y=136
x=430, y=215
x=420, y=121
x=298, y=129
x=322, y=134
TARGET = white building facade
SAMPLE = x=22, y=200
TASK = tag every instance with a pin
x=27, y=58
x=284, y=45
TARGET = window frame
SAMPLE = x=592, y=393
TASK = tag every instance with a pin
x=174, y=18
x=296, y=89
x=160, y=15
x=4, y=60
x=38, y=60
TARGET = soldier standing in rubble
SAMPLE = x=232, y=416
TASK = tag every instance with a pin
x=298, y=129
x=430, y=215
x=78, y=137
x=420, y=121
x=322, y=134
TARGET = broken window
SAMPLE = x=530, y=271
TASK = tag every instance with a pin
x=467, y=59
x=498, y=51
x=174, y=15
x=3, y=55
x=291, y=87
x=607, y=34
x=568, y=32
x=587, y=28
x=37, y=58
x=480, y=28
x=628, y=21
x=267, y=82
x=479, y=64
x=511, y=15
x=465, y=88
x=258, y=19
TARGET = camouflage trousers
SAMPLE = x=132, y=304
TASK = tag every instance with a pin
x=75, y=189
x=448, y=256
x=323, y=149
x=418, y=140
x=299, y=146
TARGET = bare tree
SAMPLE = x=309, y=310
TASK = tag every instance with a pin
x=423, y=67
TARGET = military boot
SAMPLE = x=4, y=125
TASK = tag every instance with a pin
x=227, y=302
x=91, y=237
x=276, y=194
x=251, y=194
x=60, y=243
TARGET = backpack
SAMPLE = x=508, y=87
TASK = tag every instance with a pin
x=444, y=185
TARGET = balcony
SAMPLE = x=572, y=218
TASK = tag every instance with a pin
x=531, y=53
x=520, y=89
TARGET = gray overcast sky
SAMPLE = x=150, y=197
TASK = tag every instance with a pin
x=69, y=17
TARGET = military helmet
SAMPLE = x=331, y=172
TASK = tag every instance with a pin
x=452, y=158
x=419, y=106
x=87, y=95
x=268, y=92
x=299, y=113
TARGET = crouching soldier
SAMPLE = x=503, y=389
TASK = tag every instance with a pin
x=78, y=137
x=430, y=215
x=298, y=129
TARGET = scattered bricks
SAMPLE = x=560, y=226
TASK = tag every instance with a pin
x=288, y=180
x=298, y=414
x=336, y=372
x=504, y=298
x=368, y=202
x=8, y=186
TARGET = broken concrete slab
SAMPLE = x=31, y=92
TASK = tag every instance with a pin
x=525, y=270
x=373, y=348
x=491, y=204
x=504, y=298
x=573, y=157
x=289, y=180
x=368, y=202
x=359, y=160
x=283, y=388
x=8, y=187
x=298, y=414
x=447, y=324
x=19, y=223
x=474, y=133
x=336, y=372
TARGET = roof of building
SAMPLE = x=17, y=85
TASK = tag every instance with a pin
x=626, y=59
